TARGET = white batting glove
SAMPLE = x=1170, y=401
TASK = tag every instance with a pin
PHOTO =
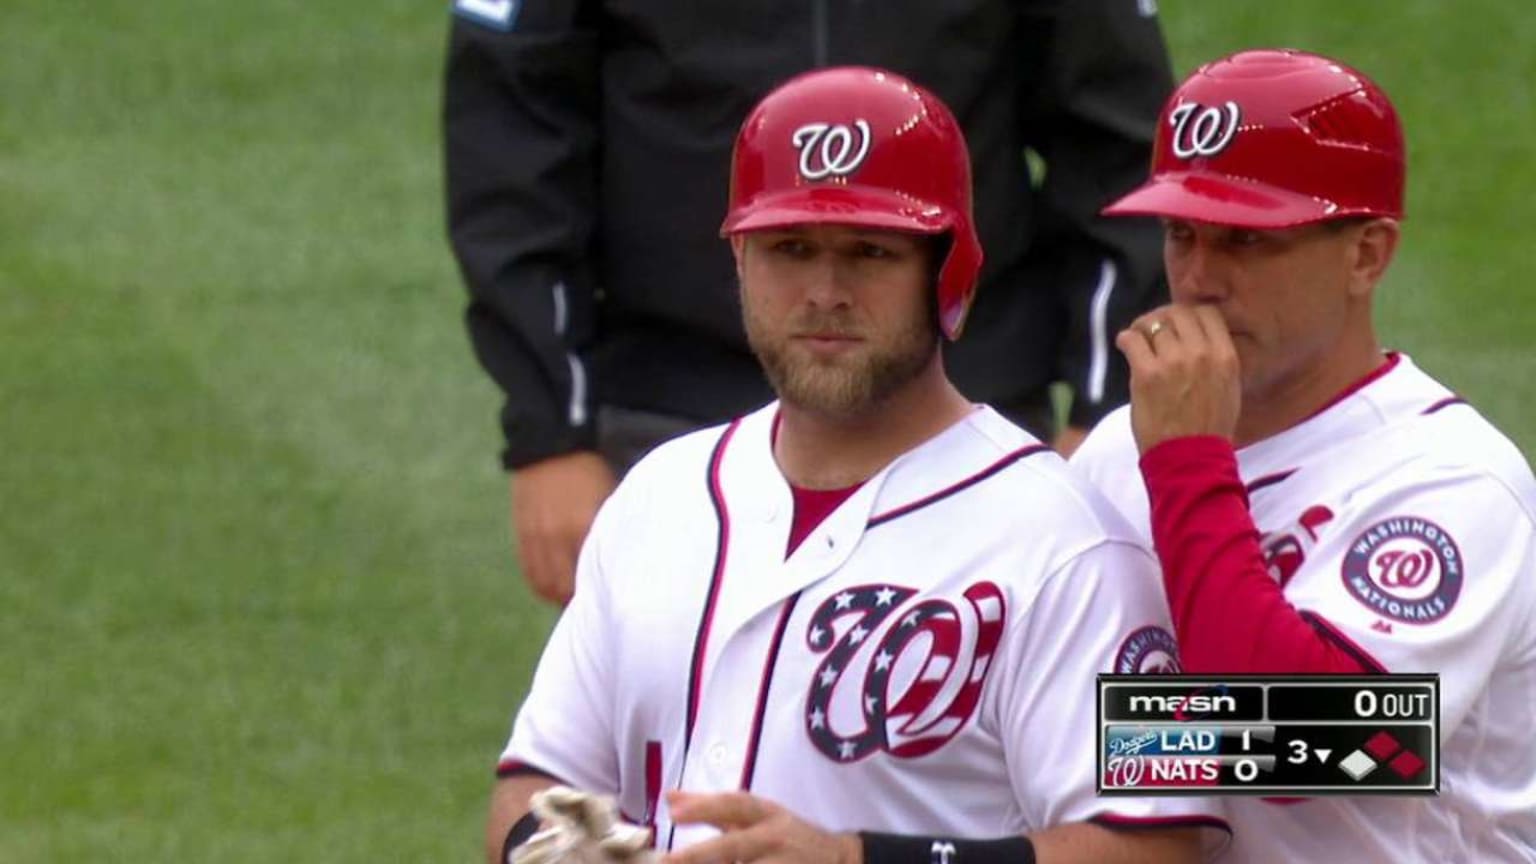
x=582, y=828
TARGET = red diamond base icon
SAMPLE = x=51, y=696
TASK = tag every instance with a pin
x=1406, y=764
x=1382, y=745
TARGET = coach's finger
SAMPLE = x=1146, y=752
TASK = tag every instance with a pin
x=1217, y=333
x=1153, y=324
x=1137, y=348
x=1186, y=328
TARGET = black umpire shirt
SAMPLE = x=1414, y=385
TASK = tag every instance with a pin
x=588, y=148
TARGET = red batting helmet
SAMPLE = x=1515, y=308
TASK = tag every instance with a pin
x=866, y=147
x=1270, y=139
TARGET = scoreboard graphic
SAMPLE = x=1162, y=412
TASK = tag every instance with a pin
x=1302, y=735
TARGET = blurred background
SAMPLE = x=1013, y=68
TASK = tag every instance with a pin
x=256, y=597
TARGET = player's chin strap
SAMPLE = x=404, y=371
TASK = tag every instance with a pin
x=581, y=828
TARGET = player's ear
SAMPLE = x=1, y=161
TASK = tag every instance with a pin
x=1374, y=246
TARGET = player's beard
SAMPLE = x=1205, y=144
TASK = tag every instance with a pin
x=842, y=386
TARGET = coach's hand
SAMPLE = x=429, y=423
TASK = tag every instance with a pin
x=1185, y=377
x=755, y=829
x=553, y=504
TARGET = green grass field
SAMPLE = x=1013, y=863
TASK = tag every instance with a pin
x=256, y=600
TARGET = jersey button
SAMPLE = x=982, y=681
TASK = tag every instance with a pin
x=716, y=754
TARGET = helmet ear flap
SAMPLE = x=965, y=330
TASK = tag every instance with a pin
x=958, y=275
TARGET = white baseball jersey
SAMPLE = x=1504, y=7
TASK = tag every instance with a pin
x=1407, y=522
x=924, y=662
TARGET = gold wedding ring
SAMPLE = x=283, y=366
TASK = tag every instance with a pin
x=1153, y=329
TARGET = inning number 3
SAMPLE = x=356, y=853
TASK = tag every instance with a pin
x=1298, y=752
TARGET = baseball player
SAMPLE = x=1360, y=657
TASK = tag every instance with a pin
x=1319, y=504
x=870, y=606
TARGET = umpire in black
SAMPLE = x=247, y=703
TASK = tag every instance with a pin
x=587, y=145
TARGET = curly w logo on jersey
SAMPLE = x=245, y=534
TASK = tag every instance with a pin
x=1287, y=549
x=899, y=683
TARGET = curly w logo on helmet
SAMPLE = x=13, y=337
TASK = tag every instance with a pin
x=828, y=149
x=1203, y=130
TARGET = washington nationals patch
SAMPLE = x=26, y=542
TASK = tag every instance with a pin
x=1405, y=568
x=1148, y=651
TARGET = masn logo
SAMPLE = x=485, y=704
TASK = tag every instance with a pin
x=1183, y=706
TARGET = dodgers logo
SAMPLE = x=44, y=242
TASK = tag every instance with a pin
x=828, y=150
x=1203, y=130
x=1405, y=568
x=898, y=681
x=1149, y=650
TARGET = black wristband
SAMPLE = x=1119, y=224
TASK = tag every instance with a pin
x=522, y=829
x=917, y=849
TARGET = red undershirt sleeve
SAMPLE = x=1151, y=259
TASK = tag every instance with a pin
x=1229, y=615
